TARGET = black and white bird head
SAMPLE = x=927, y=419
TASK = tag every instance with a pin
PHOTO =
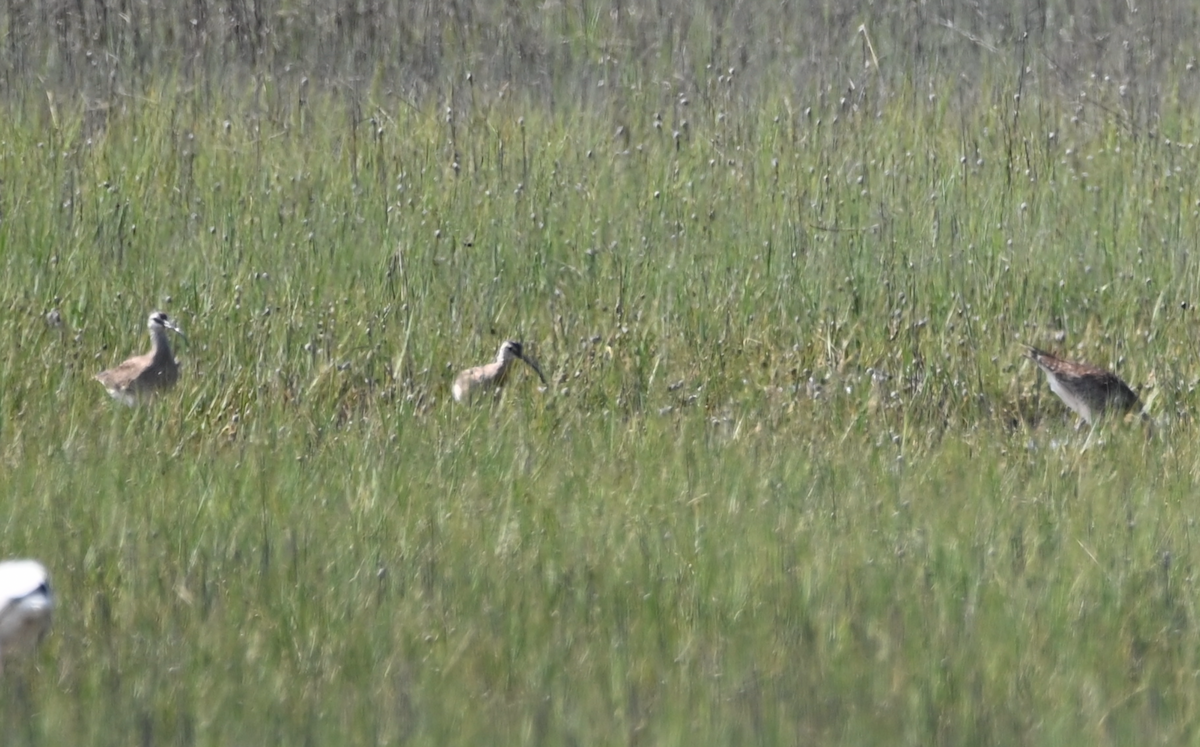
x=511, y=349
x=26, y=605
x=160, y=320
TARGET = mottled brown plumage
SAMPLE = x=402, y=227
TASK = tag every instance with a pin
x=1086, y=389
x=144, y=375
x=480, y=378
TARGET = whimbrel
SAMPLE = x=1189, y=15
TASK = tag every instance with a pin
x=143, y=375
x=26, y=605
x=475, y=380
x=1087, y=390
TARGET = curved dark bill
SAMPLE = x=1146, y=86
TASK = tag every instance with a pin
x=534, y=366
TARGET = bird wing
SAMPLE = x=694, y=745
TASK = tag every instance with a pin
x=121, y=376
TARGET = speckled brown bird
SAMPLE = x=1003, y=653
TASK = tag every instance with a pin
x=475, y=380
x=1086, y=389
x=144, y=375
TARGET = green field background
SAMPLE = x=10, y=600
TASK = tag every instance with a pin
x=791, y=481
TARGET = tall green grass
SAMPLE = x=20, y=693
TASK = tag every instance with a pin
x=791, y=482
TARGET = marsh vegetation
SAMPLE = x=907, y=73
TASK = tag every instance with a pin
x=791, y=480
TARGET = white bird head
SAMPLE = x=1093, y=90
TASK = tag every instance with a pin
x=26, y=605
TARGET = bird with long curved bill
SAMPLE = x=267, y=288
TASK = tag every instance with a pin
x=473, y=381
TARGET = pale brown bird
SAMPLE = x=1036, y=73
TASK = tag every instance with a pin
x=1087, y=390
x=26, y=605
x=475, y=380
x=144, y=375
